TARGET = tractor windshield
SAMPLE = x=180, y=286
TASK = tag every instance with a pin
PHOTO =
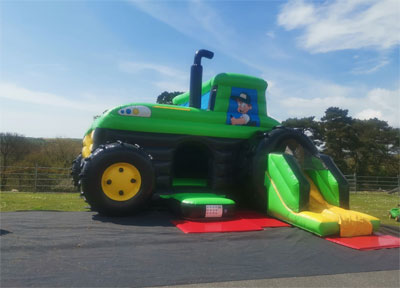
x=205, y=99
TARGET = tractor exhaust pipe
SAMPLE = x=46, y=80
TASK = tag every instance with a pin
x=196, y=77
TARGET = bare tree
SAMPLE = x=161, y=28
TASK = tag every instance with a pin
x=11, y=149
x=62, y=151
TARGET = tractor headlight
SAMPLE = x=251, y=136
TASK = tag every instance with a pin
x=135, y=111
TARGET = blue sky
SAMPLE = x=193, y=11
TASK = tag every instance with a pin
x=62, y=62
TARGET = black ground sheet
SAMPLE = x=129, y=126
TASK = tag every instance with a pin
x=50, y=249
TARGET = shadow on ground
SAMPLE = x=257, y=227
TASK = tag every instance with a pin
x=152, y=217
x=390, y=230
x=4, y=232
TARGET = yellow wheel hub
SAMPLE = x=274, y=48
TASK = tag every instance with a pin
x=121, y=181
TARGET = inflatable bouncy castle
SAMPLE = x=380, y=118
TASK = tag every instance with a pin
x=214, y=150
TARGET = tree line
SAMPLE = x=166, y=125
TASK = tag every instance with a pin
x=366, y=147
x=20, y=151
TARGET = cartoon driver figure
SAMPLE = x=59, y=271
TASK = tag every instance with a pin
x=243, y=101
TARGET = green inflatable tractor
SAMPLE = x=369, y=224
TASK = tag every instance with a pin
x=216, y=138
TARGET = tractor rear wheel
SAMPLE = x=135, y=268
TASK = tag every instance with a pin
x=281, y=140
x=118, y=179
x=76, y=170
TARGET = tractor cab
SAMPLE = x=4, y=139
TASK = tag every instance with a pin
x=240, y=97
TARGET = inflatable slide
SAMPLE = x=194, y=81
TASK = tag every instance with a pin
x=311, y=194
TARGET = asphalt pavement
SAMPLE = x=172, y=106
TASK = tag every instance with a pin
x=364, y=280
x=83, y=249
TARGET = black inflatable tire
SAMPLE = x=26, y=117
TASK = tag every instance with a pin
x=96, y=164
x=76, y=170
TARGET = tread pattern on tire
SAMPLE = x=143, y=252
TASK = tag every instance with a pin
x=76, y=170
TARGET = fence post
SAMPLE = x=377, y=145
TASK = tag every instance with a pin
x=36, y=174
x=355, y=182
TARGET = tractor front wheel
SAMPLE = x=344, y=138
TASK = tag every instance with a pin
x=118, y=179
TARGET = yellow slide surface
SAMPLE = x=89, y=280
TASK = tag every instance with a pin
x=351, y=223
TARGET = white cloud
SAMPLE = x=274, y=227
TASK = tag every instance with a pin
x=192, y=18
x=172, y=86
x=296, y=14
x=339, y=25
x=271, y=34
x=204, y=23
x=369, y=114
x=315, y=97
x=137, y=67
x=42, y=114
x=44, y=122
x=370, y=66
x=171, y=79
x=387, y=102
x=14, y=92
x=301, y=107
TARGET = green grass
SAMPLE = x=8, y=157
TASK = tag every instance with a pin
x=376, y=204
x=373, y=203
x=28, y=201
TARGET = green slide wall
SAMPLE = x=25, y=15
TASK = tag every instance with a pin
x=325, y=181
x=282, y=196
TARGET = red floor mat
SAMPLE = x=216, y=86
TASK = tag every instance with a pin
x=261, y=220
x=373, y=242
x=244, y=221
x=236, y=225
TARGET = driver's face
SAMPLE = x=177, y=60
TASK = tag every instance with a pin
x=243, y=107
